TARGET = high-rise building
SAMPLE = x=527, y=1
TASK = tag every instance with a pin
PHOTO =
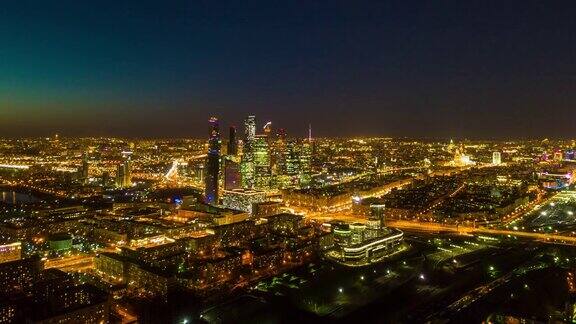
x=262, y=169
x=120, y=175
x=198, y=171
x=496, y=158
x=85, y=169
x=277, y=158
x=292, y=159
x=279, y=152
x=250, y=127
x=247, y=165
x=306, y=164
x=376, y=221
x=232, y=142
x=124, y=173
x=212, y=163
x=232, y=175
x=377, y=213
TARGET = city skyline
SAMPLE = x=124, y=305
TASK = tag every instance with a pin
x=156, y=70
x=271, y=228
x=370, y=161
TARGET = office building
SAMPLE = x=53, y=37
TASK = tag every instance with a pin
x=250, y=128
x=85, y=169
x=212, y=163
x=262, y=169
x=306, y=164
x=232, y=174
x=232, y=142
x=496, y=158
x=242, y=199
x=124, y=173
x=247, y=164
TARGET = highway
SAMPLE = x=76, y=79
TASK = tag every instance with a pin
x=438, y=227
x=421, y=226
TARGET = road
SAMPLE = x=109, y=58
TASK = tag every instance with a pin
x=438, y=227
x=71, y=263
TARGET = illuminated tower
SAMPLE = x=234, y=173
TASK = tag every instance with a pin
x=232, y=143
x=377, y=214
x=277, y=153
x=247, y=164
x=376, y=221
x=85, y=168
x=496, y=158
x=128, y=172
x=120, y=176
x=250, y=128
x=306, y=164
x=124, y=172
x=292, y=159
x=232, y=175
x=212, y=163
x=262, y=169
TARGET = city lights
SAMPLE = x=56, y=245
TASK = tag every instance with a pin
x=287, y=162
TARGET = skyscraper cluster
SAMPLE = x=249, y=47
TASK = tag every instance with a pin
x=260, y=161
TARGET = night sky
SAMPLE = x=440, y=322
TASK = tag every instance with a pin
x=442, y=69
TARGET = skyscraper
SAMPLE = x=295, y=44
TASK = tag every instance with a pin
x=262, y=169
x=85, y=169
x=247, y=165
x=376, y=221
x=124, y=173
x=292, y=159
x=377, y=213
x=250, y=127
x=232, y=143
x=212, y=163
x=277, y=153
x=306, y=164
x=496, y=158
x=232, y=176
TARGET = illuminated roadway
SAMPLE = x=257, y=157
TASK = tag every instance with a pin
x=71, y=263
x=438, y=227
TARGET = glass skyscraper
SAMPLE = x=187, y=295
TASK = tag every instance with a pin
x=212, y=163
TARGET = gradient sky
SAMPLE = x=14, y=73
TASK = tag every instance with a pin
x=476, y=69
